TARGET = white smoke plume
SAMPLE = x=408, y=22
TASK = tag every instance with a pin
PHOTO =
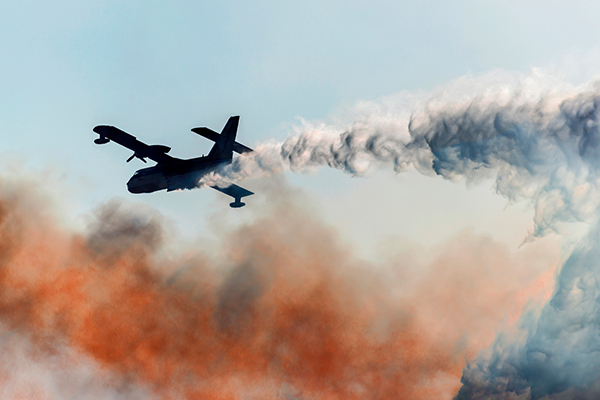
x=537, y=136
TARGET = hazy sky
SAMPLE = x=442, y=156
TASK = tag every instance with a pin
x=158, y=69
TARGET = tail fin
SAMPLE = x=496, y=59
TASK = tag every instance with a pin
x=217, y=138
x=223, y=148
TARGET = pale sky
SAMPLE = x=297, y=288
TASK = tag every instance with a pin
x=158, y=69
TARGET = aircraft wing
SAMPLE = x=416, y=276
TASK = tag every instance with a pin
x=140, y=150
x=235, y=191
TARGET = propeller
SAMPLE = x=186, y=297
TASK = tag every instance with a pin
x=135, y=155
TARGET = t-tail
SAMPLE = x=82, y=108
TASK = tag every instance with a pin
x=225, y=143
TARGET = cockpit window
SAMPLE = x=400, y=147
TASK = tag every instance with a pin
x=141, y=172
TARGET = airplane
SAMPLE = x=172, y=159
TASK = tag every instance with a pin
x=174, y=173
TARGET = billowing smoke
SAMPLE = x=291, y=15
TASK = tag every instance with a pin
x=540, y=142
x=556, y=355
x=537, y=137
x=282, y=310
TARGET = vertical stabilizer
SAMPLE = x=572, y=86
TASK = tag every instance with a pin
x=223, y=148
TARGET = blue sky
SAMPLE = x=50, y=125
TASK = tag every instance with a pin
x=158, y=69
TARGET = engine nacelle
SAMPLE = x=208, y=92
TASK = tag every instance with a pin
x=102, y=140
x=159, y=148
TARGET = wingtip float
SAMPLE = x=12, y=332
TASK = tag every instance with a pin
x=173, y=173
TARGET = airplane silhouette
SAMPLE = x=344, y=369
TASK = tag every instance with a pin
x=174, y=173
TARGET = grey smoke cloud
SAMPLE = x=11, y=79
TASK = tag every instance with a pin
x=286, y=312
x=557, y=358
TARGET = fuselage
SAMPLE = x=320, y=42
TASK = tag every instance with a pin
x=182, y=174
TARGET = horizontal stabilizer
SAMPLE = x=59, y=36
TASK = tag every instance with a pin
x=215, y=136
x=207, y=133
x=241, y=149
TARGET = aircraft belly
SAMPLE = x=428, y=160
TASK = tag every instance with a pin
x=188, y=180
x=148, y=183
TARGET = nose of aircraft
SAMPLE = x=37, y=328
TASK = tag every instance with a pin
x=132, y=187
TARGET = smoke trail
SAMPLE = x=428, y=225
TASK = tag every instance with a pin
x=537, y=137
x=287, y=313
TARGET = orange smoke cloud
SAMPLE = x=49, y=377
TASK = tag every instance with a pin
x=289, y=314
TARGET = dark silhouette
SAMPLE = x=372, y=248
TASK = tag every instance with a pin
x=173, y=173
